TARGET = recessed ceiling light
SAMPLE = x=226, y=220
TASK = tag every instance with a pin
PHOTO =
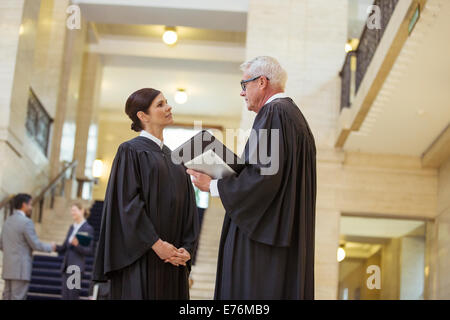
x=170, y=36
x=181, y=96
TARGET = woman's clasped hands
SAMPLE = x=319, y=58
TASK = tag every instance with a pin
x=169, y=253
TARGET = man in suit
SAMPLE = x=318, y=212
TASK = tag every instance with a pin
x=75, y=253
x=17, y=241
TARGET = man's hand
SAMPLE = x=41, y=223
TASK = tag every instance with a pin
x=200, y=180
x=53, y=246
x=164, y=250
x=74, y=242
x=181, y=258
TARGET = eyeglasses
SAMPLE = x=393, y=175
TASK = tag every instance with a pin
x=244, y=82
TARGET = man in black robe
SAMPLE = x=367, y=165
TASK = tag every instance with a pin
x=267, y=243
x=148, y=198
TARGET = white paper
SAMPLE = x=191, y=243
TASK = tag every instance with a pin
x=211, y=164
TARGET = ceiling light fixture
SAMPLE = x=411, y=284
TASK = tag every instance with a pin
x=97, y=168
x=170, y=36
x=181, y=96
x=340, y=254
x=348, y=47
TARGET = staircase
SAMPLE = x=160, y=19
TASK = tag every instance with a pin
x=46, y=280
x=204, y=271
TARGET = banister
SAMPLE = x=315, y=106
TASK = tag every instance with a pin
x=54, y=182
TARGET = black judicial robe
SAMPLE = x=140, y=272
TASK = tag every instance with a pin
x=267, y=243
x=148, y=197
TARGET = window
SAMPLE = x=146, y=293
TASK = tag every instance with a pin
x=38, y=122
x=173, y=138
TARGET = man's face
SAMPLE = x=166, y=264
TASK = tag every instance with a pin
x=28, y=208
x=251, y=93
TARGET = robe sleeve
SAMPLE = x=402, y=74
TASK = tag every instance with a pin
x=262, y=206
x=127, y=231
x=191, y=228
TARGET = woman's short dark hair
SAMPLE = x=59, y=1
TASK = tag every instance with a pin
x=139, y=101
x=20, y=199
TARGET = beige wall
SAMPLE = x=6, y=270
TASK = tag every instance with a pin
x=364, y=184
x=307, y=37
x=441, y=281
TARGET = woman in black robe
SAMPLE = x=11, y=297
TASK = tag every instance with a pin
x=150, y=224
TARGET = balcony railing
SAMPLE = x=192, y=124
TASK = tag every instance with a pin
x=347, y=75
x=368, y=44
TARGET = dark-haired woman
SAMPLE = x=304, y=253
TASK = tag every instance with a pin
x=150, y=224
x=75, y=253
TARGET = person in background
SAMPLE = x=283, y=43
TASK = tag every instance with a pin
x=17, y=241
x=74, y=252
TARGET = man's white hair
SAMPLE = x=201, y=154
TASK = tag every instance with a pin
x=266, y=66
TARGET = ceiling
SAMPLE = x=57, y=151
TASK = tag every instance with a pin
x=230, y=15
x=212, y=87
x=153, y=32
x=205, y=60
x=413, y=107
x=378, y=227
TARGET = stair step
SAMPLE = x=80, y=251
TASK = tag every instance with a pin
x=203, y=285
x=43, y=296
x=201, y=294
x=55, y=281
x=54, y=273
x=51, y=289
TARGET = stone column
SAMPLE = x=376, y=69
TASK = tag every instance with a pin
x=87, y=112
x=67, y=100
x=48, y=60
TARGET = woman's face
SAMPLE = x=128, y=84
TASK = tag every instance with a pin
x=159, y=114
x=77, y=214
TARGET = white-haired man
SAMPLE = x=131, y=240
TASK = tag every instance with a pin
x=267, y=243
